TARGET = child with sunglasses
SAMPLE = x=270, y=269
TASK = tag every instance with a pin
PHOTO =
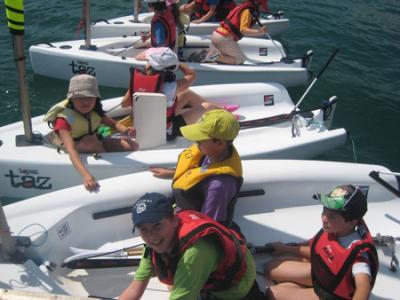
x=339, y=262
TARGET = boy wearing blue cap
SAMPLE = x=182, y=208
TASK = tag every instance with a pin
x=340, y=262
x=208, y=175
x=190, y=252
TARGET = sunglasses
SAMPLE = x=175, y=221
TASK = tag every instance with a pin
x=337, y=202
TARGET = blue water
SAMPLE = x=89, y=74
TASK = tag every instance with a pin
x=365, y=75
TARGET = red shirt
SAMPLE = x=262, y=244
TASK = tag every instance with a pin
x=61, y=123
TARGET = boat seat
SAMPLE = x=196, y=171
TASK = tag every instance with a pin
x=149, y=118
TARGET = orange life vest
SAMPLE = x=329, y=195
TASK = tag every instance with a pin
x=168, y=21
x=232, y=22
x=192, y=227
x=222, y=10
x=141, y=82
x=331, y=264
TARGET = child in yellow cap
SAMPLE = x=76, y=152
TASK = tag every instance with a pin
x=208, y=175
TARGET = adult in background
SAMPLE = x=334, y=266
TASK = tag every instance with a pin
x=237, y=24
x=339, y=262
x=208, y=174
x=214, y=263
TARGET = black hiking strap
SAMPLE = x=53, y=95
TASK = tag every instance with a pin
x=375, y=175
x=233, y=28
x=236, y=30
x=282, y=117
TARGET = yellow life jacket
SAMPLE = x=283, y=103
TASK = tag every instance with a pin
x=80, y=125
x=189, y=172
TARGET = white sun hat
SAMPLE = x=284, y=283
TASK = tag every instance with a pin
x=162, y=58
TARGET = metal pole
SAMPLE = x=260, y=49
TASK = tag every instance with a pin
x=315, y=79
x=86, y=8
x=136, y=11
x=23, y=86
x=16, y=24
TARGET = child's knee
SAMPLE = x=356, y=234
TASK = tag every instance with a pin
x=240, y=60
x=208, y=106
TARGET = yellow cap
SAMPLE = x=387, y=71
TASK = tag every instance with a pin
x=218, y=124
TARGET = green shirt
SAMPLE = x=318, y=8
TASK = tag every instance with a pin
x=193, y=270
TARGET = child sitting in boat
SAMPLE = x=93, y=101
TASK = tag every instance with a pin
x=340, y=262
x=183, y=105
x=76, y=121
x=162, y=28
x=208, y=174
x=193, y=254
x=166, y=23
x=208, y=10
x=225, y=48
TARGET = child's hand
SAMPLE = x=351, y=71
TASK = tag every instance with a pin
x=279, y=248
x=263, y=29
x=162, y=172
x=131, y=131
x=90, y=183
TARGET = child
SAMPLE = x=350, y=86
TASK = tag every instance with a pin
x=76, y=120
x=183, y=105
x=163, y=27
x=340, y=262
x=181, y=20
x=208, y=10
x=208, y=174
x=237, y=24
x=194, y=255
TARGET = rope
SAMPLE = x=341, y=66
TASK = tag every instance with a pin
x=45, y=232
x=353, y=148
x=296, y=123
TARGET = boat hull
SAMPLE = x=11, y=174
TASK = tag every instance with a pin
x=31, y=170
x=276, y=204
x=112, y=58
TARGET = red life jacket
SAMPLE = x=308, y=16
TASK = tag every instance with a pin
x=331, y=264
x=221, y=11
x=141, y=82
x=193, y=226
x=168, y=21
x=232, y=21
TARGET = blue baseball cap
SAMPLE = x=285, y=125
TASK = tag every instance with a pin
x=151, y=208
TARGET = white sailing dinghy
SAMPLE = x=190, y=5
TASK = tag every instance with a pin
x=109, y=59
x=69, y=237
x=276, y=24
x=38, y=168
